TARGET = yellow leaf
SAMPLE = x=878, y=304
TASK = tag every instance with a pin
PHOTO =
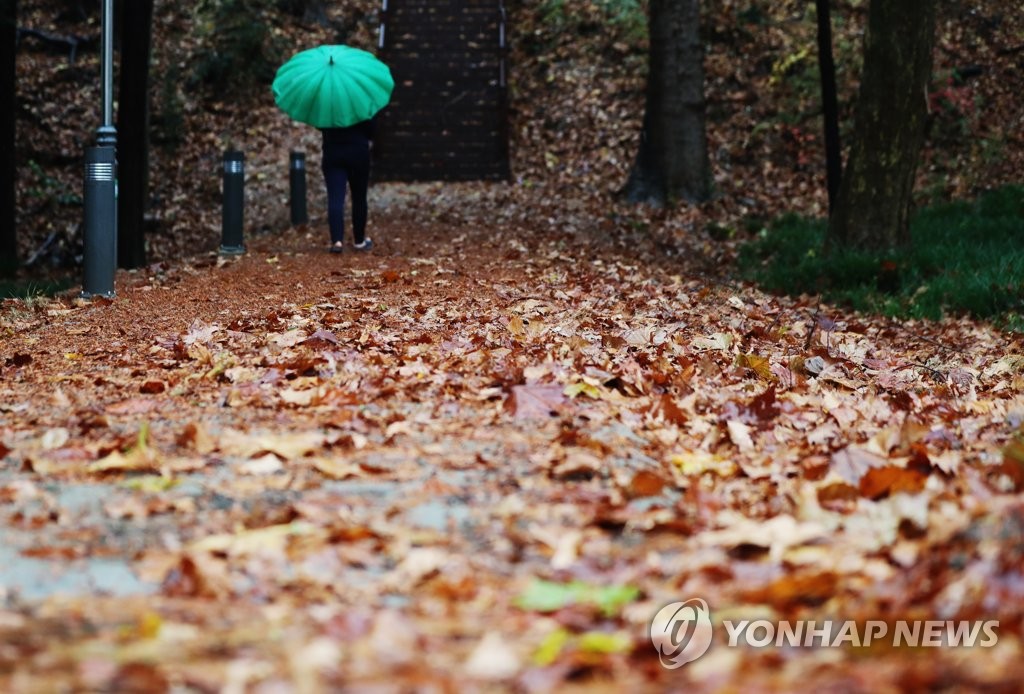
x=551, y=647
x=583, y=387
x=604, y=642
x=699, y=462
x=149, y=625
x=759, y=365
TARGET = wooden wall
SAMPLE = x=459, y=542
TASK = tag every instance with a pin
x=447, y=119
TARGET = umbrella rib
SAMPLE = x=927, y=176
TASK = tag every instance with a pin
x=351, y=87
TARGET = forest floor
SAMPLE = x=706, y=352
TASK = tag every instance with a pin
x=486, y=454
x=483, y=458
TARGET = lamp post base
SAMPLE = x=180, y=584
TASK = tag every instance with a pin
x=97, y=295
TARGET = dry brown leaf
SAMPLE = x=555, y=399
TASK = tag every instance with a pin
x=536, y=401
x=852, y=463
x=882, y=481
x=739, y=434
x=337, y=469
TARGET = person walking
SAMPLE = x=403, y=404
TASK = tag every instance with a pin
x=339, y=90
x=346, y=164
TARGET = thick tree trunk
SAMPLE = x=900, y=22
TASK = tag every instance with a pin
x=8, y=123
x=672, y=161
x=873, y=209
x=133, y=131
x=829, y=103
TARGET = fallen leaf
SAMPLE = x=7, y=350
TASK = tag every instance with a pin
x=516, y=327
x=699, y=462
x=338, y=469
x=195, y=436
x=54, y=438
x=268, y=464
x=718, y=341
x=321, y=339
x=852, y=463
x=138, y=457
x=759, y=365
x=270, y=538
x=605, y=642
x=493, y=659
x=536, y=401
x=646, y=483
x=739, y=434
x=666, y=409
x=134, y=406
x=882, y=481
x=301, y=398
x=288, y=446
x=548, y=596
x=787, y=592
x=551, y=647
x=777, y=534
x=584, y=388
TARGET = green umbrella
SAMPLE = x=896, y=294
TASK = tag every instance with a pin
x=332, y=86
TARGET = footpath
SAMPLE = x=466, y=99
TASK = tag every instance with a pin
x=483, y=457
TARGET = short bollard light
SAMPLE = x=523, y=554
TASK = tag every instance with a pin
x=297, y=180
x=232, y=242
x=100, y=235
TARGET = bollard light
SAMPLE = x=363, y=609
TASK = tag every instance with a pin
x=99, y=198
x=297, y=181
x=100, y=235
x=232, y=241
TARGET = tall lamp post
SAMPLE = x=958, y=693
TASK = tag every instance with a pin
x=101, y=180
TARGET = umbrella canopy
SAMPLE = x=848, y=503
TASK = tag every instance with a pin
x=332, y=86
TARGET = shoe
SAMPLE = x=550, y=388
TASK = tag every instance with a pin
x=337, y=248
x=366, y=245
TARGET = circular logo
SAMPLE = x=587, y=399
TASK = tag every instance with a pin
x=681, y=631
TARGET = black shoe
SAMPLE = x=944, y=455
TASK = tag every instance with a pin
x=337, y=248
x=366, y=245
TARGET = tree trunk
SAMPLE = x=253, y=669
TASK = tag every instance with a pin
x=829, y=103
x=8, y=123
x=873, y=209
x=133, y=132
x=672, y=161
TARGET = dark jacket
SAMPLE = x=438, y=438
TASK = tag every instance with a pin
x=359, y=133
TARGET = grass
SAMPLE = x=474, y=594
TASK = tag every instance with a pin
x=966, y=258
x=33, y=289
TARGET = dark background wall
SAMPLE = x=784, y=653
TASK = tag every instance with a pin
x=447, y=119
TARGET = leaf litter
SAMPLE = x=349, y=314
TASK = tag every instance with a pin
x=394, y=469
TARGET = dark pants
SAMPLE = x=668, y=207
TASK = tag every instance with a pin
x=346, y=164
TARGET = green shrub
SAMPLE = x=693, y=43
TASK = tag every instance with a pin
x=625, y=18
x=966, y=259
x=238, y=46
